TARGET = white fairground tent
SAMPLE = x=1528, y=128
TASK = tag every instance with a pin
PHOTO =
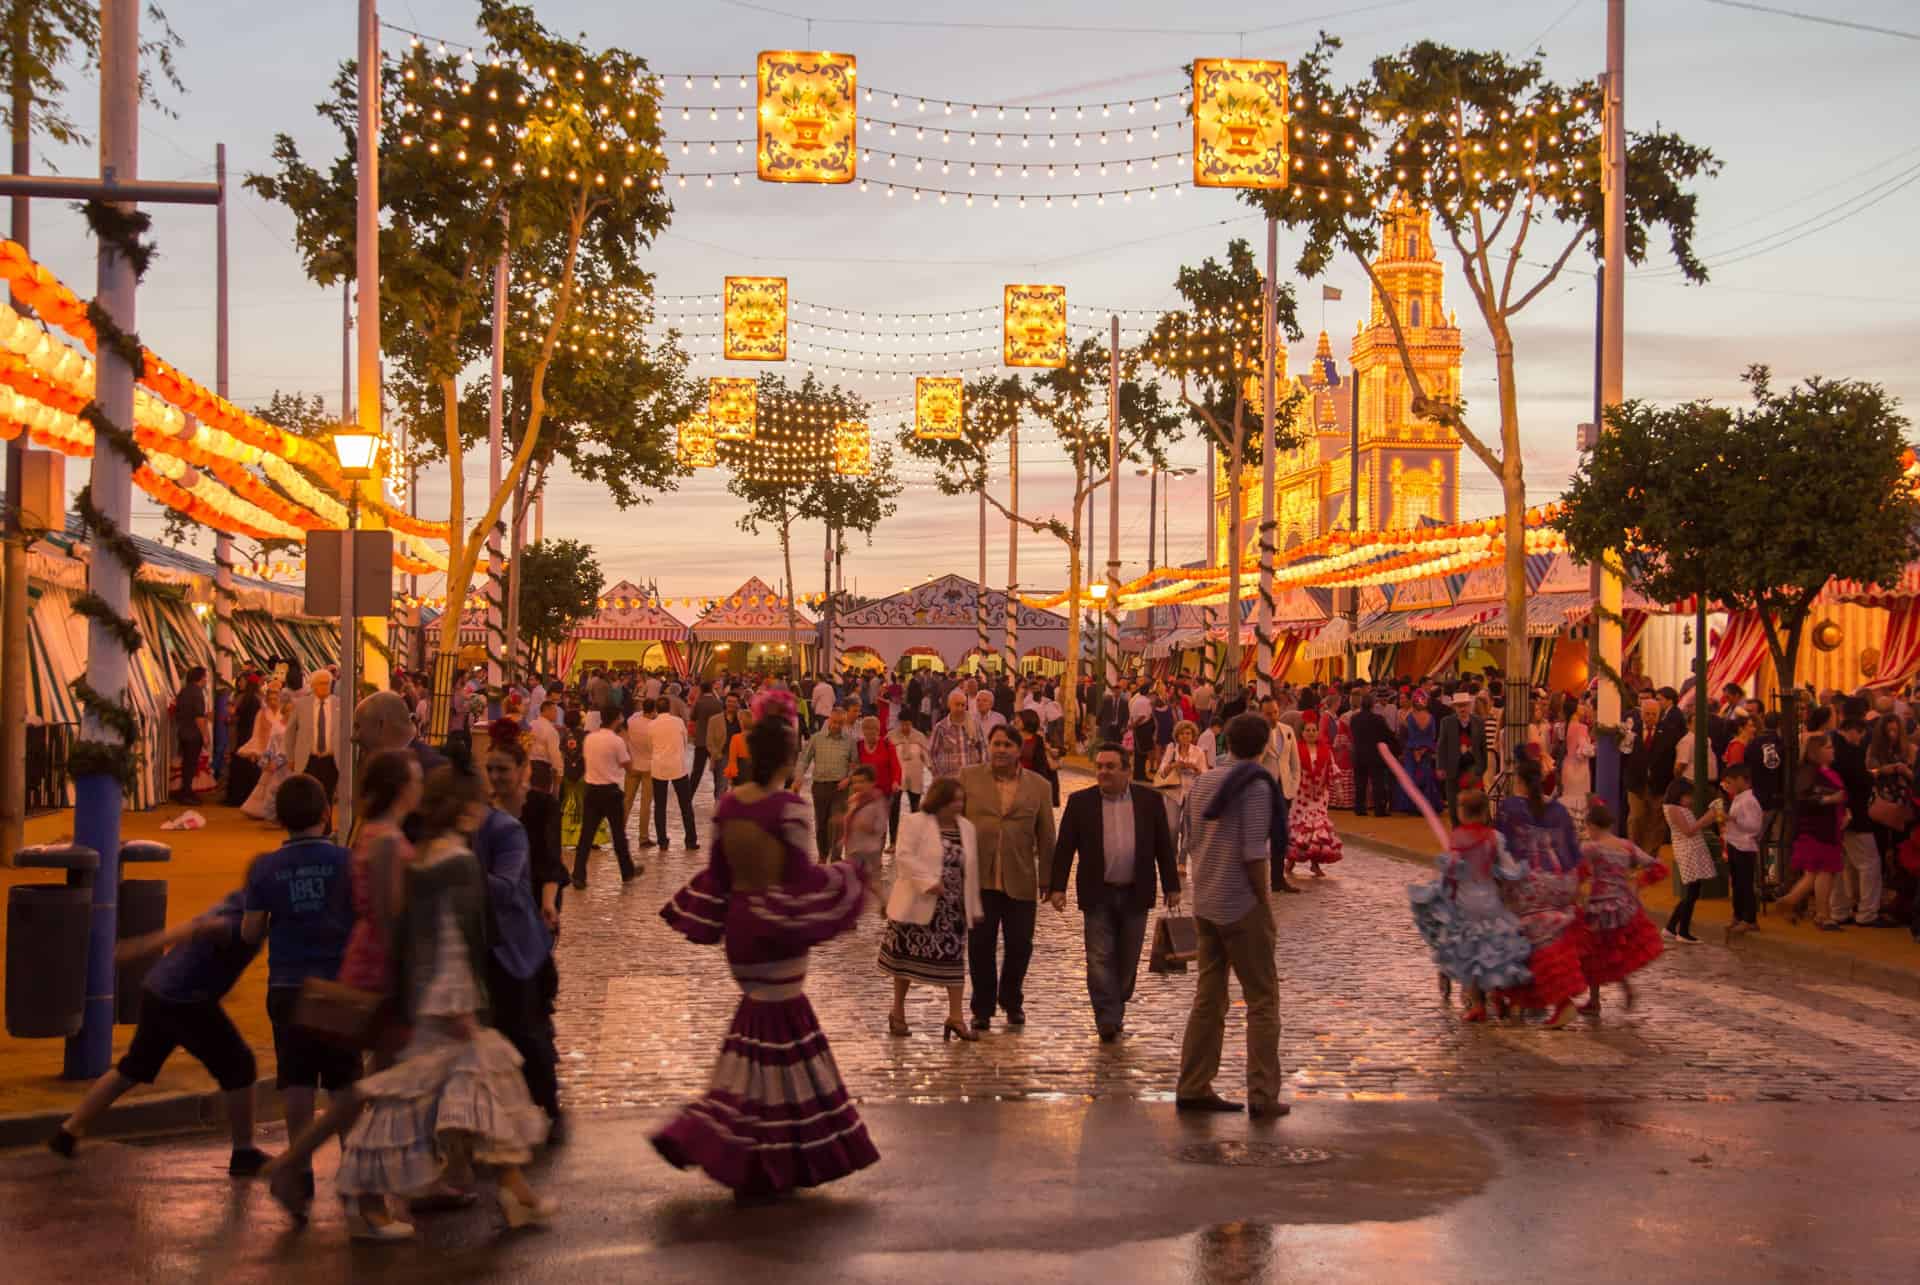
x=747, y=630
x=936, y=622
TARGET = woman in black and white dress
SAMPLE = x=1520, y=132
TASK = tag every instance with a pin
x=934, y=900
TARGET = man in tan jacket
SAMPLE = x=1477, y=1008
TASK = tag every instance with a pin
x=1012, y=814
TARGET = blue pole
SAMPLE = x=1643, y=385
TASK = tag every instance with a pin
x=96, y=825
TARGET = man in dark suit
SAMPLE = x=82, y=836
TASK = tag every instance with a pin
x=1369, y=732
x=1119, y=831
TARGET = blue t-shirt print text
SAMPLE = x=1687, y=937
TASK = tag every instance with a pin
x=302, y=886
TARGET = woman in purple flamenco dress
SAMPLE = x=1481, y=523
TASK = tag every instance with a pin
x=777, y=1116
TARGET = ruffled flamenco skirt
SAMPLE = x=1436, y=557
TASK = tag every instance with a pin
x=461, y=1102
x=1615, y=954
x=1557, y=974
x=1311, y=836
x=777, y=1116
x=1488, y=952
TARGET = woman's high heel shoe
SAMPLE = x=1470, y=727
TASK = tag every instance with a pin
x=957, y=1030
x=360, y=1227
x=897, y=1027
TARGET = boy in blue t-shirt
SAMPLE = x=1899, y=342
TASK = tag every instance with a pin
x=180, y=1008
x=299, y=898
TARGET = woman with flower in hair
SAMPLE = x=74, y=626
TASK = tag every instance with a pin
x=1310, y=834
x=777, y=1116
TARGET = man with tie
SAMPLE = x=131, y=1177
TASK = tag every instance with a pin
x=312, y=730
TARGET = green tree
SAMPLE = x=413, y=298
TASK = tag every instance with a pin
x=1213, y=347
x=1757, y=507
x=1071, y=403
x=46, y=39
x=560, y=584
x=1508, y=163
x=541, y=147
x=785, y=475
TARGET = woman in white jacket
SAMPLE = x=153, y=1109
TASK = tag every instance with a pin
x=934, y=900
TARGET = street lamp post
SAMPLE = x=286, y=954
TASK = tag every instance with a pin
x=1098, y=592
x=358, y=454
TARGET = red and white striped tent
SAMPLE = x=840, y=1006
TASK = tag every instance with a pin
x=750, y=624
x=630, y=620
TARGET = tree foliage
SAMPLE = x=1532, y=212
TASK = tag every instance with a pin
x=560, y=584
x=786, y=474
x=45, y=40
x=542, y=147
x=1758, y=506
x=1508, y=164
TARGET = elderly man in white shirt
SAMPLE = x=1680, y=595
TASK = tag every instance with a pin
x=984, y=714
x=639, y=736
x=668, y=769
x=543, y=753
x=605, y=752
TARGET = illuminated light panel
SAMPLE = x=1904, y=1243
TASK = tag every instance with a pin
x=805, y=113
x=755, y=319
x=1034, y=326
x=937, y=406
x=1239, y=123
x=733, y=405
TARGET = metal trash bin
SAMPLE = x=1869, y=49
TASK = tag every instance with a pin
x=143, y=910
x=47, y=927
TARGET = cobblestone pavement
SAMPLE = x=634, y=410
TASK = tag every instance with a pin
x=642, y=1012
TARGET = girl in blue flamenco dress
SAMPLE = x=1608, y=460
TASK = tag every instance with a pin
x=1474, y=938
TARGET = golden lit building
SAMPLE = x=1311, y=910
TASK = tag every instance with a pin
x=1409, y=468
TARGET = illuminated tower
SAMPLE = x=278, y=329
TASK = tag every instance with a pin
x=1409, y=467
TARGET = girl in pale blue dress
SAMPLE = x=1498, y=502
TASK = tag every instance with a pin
x=1474, y=938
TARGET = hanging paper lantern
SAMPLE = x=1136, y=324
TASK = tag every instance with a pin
x=697, y=448
x=852, y=449
x=937, y=405
x=755, y=319
x=1035, y=326
x=733, y=408
x=806, y=115
x=1239, y=123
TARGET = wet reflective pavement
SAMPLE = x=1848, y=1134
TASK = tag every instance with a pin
x=1105, y=1191
x=1742, y=1123
x=641, y=1013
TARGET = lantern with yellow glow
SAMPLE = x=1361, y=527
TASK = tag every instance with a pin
x=806, y=112
x=733, y=406
x=697, y=448
x=1239, y=123
x=1035, y=326
x=937, y=404
x=756, y=319
x=852, y=449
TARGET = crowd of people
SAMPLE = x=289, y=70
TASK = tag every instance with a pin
x=411, y=975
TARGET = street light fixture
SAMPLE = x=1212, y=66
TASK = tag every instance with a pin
x=357, y=451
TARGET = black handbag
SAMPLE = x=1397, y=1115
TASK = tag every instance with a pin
x=1176, y=942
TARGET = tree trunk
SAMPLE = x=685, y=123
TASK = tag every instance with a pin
x=1519, y=676
x=1235, y=542
x=1513, y=487
x=793, y=622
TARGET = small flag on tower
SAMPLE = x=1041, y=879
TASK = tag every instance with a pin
x=1330, y=294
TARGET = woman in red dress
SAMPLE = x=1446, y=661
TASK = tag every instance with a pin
x=1310, y=834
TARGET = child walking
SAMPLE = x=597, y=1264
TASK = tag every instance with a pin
x=1620, y=939
x=1740, y=831
x=180, y=1008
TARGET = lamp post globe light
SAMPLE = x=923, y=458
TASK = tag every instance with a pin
x=357, y=451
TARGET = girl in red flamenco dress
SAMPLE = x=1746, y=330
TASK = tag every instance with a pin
x=1620, y=939
x=1310, y=834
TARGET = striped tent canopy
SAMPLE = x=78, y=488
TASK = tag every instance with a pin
x=752, y=613
x=629, y=613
